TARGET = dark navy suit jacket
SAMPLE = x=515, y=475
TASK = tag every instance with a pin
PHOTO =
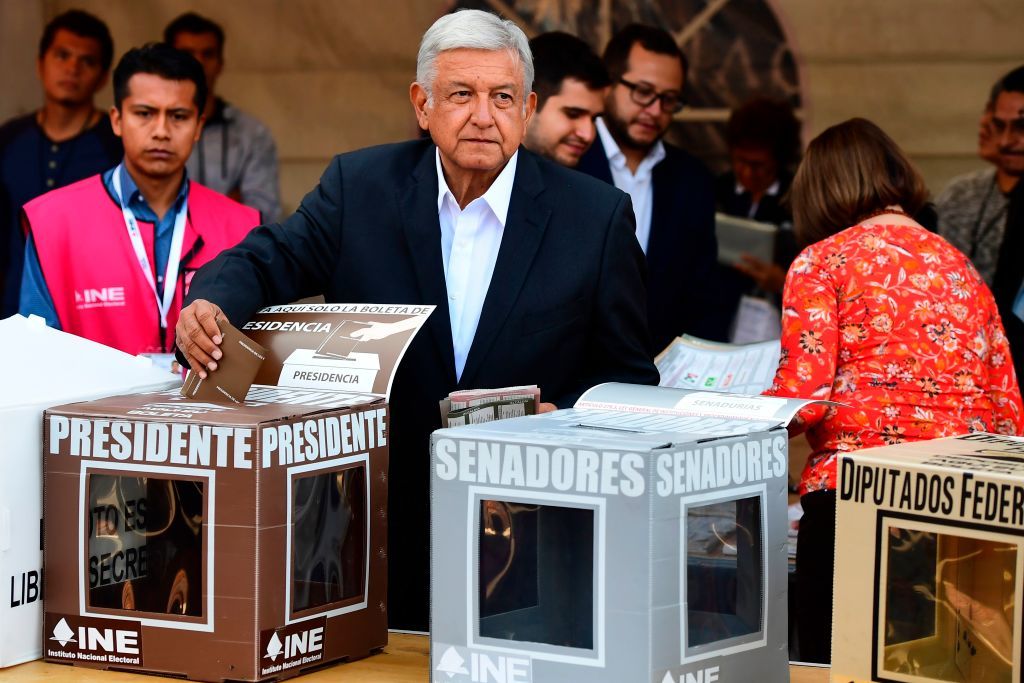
x=682, y=252
x=564, y=310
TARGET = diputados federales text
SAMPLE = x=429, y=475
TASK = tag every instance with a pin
x=938, y=492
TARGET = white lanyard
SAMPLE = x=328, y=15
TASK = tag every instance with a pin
x=173, y=256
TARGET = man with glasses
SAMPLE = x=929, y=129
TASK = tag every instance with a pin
x=673, y=194
x=972, y=209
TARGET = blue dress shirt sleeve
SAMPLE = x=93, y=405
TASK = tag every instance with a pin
x=35, y=295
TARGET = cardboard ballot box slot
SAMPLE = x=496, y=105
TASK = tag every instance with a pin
x=931, y=535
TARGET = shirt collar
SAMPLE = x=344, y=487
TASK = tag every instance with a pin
x=772, y=190
x=615, y=156
x=498, y=196
x=135, y=199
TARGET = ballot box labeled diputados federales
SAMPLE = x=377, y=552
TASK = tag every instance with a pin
x=43, y=366
x=225, y=541
x=930, y=562
x=640, y=536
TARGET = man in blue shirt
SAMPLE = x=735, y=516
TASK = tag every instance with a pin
x=66, y=140
x=127, y=233
x=35, y=296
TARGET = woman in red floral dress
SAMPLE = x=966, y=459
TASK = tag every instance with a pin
x=885, y=318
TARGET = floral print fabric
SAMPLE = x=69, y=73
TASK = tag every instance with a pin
x=895, y=324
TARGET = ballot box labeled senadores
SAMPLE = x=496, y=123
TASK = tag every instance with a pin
x=930, y=562
x=640, y=536
x=225, y=541
x=43, y=367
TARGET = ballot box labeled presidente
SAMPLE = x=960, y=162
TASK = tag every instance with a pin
x=226, y=540
x=930, y=562
x=640, y=536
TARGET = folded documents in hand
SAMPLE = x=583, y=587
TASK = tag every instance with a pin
x=486, y=405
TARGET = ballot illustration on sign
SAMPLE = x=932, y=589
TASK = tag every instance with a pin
x=345, y=359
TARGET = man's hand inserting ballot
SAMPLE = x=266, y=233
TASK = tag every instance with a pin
x=198, y=337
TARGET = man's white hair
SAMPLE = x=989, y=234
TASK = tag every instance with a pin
x=472, y=29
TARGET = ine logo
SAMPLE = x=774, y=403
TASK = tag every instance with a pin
x=292, y=646
x=295, y=644
x=62, y=633
x=709, y=675
x=94, y=640
x=481, y=668
x=452, y=663
x=104, y=297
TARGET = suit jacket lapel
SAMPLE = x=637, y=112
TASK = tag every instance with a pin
x=417, y=203
x=524, y=230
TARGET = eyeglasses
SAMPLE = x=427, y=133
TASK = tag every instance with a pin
x=644, y=95
x=997, y=127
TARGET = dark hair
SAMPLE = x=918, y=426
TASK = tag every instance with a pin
x=850, y=171
x=190, y=22
x=651, y=38
x=159, y=59
x=84, y=25
x=558, y=56
x=1011, y=82
x=768, y=124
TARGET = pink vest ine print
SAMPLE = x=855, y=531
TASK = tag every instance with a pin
x=98, y=289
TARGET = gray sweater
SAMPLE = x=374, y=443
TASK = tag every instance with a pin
x=972, y=217
x=236, y=156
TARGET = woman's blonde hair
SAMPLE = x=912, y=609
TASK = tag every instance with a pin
x=850, y=171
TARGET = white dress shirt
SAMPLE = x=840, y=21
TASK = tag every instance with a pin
x=470, y=239
x=637, y=185
x=772, y=190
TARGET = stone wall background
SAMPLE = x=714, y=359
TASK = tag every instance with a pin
x=332, y=75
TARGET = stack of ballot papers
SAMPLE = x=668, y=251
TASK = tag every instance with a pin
x=693, y=363
x=475, y=406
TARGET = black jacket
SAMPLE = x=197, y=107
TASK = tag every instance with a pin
x=682, y=251
x=564, y=309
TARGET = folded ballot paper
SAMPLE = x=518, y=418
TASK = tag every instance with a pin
x=44, y=367
x=476, y=406
x=235, y=370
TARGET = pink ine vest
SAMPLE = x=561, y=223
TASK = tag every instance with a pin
x=96, y=284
